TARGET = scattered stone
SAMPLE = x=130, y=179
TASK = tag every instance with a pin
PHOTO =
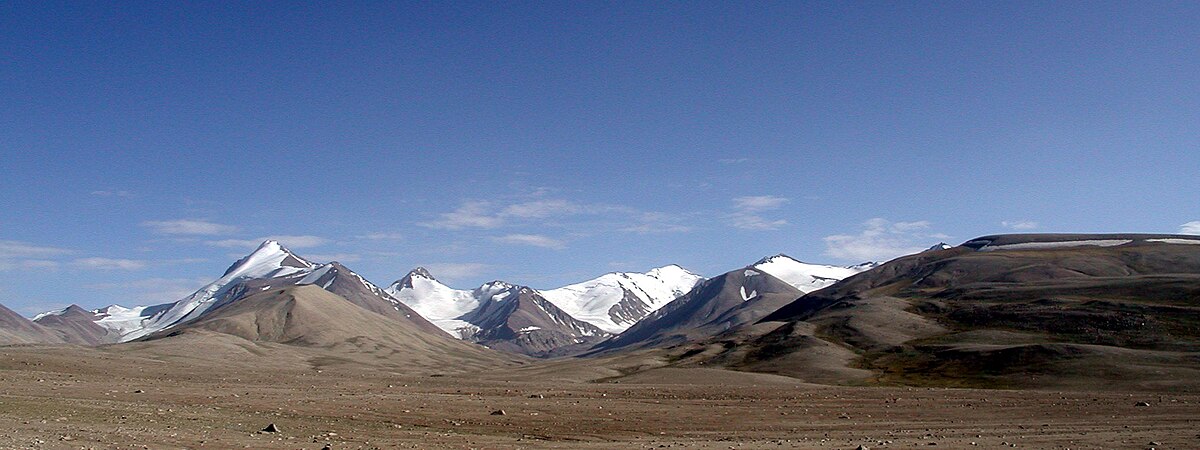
x=271, y=428
x=536, y=396
x=1142, y=404
x=327, y=447
x=498, y=412
x=139, y=391
x=863, y=447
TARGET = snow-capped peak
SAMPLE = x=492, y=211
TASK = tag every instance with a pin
x=269, y=260
x=672, y=272
x=495, y=290
x=777, y=256
x=269, y=253
x=805, y=276
x=421, y=272
x=615, y=301
x=57, y=312
x=433, y=300
x=939, y=246
x=407, y=281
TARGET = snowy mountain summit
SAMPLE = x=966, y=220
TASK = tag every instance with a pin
x=615, y=301
x=269, y=266
x=805, y=276
x=611, y=302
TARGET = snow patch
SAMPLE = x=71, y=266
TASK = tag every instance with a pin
x=747, y=297
x=804, y=276
x=1062, y=244
x=593, y=301
x=267, y=261
x=57, y=312
x=1176, y=241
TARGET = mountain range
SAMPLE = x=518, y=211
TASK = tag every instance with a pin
x=983, y=313
x=499, y=315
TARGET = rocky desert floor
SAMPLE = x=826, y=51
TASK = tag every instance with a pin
x=75, y=398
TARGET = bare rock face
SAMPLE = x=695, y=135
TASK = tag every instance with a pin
x=16, y=329
x=77, y=326
x=714, y=306
x=520, y=320
x=1070, y=309
x=309, y=316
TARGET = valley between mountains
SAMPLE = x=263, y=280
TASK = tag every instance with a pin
x=1041, y=340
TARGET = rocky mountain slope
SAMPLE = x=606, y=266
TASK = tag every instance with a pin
x=77, y=326
x=736, y=298
x=1005, y=310
x=16, y=329
x=547, y=322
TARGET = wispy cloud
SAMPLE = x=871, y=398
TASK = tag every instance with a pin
x=109, y=263
x=18, y=249
x=881, y=240
x=189, y=227
x=330, y=257
x=1192, y=227
x=473, y=214
x=1019, y=224
x=112, y=193
x=748, y=212
x=535, y=240
x=381, y=236
x=39, y=264
x=153, y=290
x=456, y=271
x=540, y=209
x=542, y=213
x=654, y=223
x=301, y=241
x=24, y=255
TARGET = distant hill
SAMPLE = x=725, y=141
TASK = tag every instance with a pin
x=1004, y=310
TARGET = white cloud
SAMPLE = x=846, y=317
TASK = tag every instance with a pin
x=747, y=212
x=655, y=222
x=189, y=227
x=154, y=290
x=330, y=257
x=456, y=271
x=908, y=227
x=1192, y=227
x=540, y=209
x=758, y=203
x=655, y=228
x=382, y=236
x=110, y=263
x=39, y=264
x=1019, y=224
x=17, y=249
x=586, y=218
x=23, y=255
x=880, y=240
x=535, y=240
x=472, y=214
x=302, y=241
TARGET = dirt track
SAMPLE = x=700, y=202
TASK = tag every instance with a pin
x=50, y=400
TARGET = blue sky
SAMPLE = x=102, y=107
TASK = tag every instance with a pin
x=147, y=145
